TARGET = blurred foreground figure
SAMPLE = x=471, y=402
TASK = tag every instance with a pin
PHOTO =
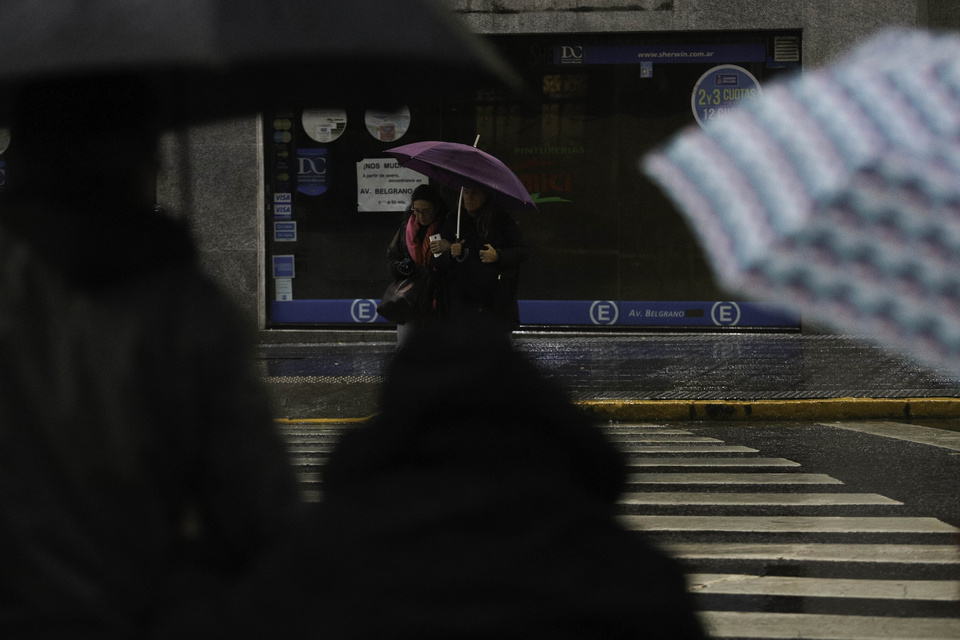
x=479, y=504
x=138, y=458
x=836, y=192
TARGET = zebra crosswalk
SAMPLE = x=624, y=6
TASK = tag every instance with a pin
x=771, y=549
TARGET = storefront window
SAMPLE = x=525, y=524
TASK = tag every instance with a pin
x=607, y=248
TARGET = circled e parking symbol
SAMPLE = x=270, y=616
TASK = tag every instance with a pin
x=363, y=310
x=725, y=314
x=604, y=312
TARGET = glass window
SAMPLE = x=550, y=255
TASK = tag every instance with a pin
x=607, y=248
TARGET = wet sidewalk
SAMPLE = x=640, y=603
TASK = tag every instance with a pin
x=668, y=376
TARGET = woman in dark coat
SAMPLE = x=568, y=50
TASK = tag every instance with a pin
x=481, y=268
x=409, y=251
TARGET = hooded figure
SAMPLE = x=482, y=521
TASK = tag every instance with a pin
x=480, y=503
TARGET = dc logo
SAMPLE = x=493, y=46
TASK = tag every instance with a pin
x=312, y=166
x=725, y=314
x=604, y=312
x=363, y=310
x=571, y=53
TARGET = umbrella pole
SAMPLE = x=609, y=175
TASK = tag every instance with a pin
x=459, y=205
x=460, y=202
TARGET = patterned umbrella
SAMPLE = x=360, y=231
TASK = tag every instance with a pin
x=837, y=191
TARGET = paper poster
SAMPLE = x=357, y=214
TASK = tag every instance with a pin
x=383, y=185
x=284, y=289
x=324, y=125
x=387, y=126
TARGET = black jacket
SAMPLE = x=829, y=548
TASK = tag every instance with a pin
x=399, y=254
x=490, y=289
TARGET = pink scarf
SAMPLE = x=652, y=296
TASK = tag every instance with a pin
x=419, y=250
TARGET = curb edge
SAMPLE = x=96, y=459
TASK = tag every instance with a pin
x=801, y=410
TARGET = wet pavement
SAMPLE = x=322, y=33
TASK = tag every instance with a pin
x=647, y=376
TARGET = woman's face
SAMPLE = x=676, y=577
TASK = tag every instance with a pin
x=425, y=211
x=473, y=199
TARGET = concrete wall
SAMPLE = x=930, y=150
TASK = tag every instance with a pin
x=213, y=174
x=940, y=14
x=829, y=26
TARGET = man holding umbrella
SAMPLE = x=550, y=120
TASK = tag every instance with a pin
x=482, y=266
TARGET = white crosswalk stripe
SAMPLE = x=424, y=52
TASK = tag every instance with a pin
x=746, y=624
x=753, y=499
x=687, y=448
x=787, y=524
x=730, y=478
x=899, y=554
x=772, y=549
x=712, y=462
x=823, y=587
x=736, y=579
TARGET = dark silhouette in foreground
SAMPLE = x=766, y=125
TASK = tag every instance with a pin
x=139, y=464
x=479, y=504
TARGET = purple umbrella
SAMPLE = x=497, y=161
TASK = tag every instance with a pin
x=457, y=165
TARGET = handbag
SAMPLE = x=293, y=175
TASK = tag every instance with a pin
x=401, y=300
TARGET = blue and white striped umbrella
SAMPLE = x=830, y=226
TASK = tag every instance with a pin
x=839, y=191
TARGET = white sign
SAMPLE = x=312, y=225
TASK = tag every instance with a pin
x=387, y=126
x=324, y=125
x=383, y=185
x=284, y=287
x=282, y=205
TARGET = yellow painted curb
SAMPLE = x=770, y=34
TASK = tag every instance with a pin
x=797, y=410
x=321, y=420
x=804, y=410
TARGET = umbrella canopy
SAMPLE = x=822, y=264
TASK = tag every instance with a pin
x=836, y=191
x=216, y=58
x=459, y=165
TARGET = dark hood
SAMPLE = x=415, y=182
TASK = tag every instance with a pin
x=461, y=398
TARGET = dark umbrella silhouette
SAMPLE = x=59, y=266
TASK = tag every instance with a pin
x=215, y=58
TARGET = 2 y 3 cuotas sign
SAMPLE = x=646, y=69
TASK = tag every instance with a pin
x=721, y=91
